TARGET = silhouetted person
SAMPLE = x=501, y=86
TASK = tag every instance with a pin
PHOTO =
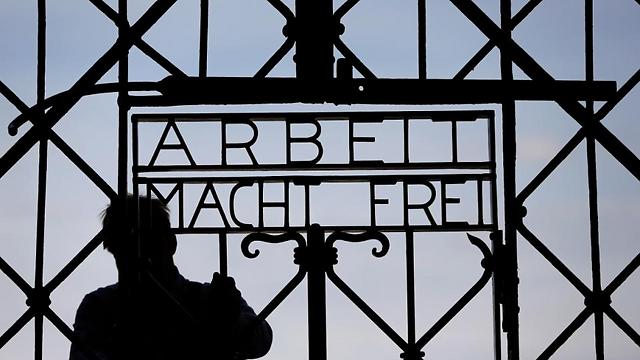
x=155, y=313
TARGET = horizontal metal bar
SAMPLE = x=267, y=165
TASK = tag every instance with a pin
x=357, y=165
x=316, y=179
x=353, y=228
x=235, y=90
x=293, y=117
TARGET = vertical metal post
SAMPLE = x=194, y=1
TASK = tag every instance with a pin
x=422, y=39
x=512, y=210
x=314, y=30
x=222, y=242
x=411, y=294
x=42, y=181
x=496, y=243
x=128, y=297
x=123, y=106
x=317, y=301
x=593, y=185
x=204, y=37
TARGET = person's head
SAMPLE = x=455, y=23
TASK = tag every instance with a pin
x=157, y=241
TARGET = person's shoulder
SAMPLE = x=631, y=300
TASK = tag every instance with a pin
x=97, y=305
x=102, y=294
x=194, y=288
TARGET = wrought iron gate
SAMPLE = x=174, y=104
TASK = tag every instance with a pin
x=315, y=29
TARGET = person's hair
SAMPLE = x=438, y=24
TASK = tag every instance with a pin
x=152, y=219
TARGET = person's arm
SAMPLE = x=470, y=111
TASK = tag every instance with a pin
x=252, y=335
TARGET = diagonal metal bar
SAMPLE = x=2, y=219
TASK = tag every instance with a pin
x=283, y=9
x=106, y=10
x=553, y=259
x=357, y=64
x=614, y=146
x=16, y=327
x=12, y=97
x=455, y=309
x=73, y=264
x=15, y=277
x=623, y=275
x=362, y=305
x=69, y=334
x=553, y=164
x=154, y=55
x=147, y=49
x=622, y=324
x=345, y=8
x=97, y=70
x=282, y=51
x=489, y=45
x=565, y=334
x=82, y=165
x=74, y=157
x=620, y=94
x=282, y=294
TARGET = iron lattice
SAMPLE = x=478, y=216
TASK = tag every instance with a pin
x=315, y=30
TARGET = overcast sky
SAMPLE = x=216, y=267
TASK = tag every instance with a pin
x=244, y=33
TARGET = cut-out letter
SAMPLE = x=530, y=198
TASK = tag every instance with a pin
x=313, y=139
x=162, y=145
x=239, y=145
x=203, y=204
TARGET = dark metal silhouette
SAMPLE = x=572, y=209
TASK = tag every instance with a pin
x=314, y=29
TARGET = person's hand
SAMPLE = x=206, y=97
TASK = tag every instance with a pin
x=225, y=297
x=224, y=308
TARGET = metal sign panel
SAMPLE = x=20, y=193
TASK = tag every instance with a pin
x=271, y=172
